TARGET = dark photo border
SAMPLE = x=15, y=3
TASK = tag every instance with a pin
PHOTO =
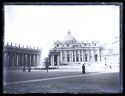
x=80, y=4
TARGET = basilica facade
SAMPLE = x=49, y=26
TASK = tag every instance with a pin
x=72, y=51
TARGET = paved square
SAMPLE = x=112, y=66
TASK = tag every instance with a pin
x=61, y=82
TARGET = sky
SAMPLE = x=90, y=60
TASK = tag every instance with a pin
x=41, y=25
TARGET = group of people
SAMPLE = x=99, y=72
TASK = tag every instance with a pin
x=29, y=69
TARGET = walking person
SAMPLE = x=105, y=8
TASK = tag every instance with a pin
x=24, y=68
x=47, y=67
x=83, y=69
x=29, y=69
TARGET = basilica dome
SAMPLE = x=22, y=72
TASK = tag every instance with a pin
x=69, y=38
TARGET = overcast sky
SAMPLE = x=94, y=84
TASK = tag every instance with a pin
x=41, y=25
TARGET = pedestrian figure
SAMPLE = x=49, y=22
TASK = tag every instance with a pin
x=24, y=68
x=47, y=63
x=83, y=69
x=47, y=66
x=29, y=69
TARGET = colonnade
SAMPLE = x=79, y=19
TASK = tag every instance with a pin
x=19, y=56
x=79, y=56
x=76, y=55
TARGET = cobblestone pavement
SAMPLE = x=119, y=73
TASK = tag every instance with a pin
x=19, y=75
x=98, y=83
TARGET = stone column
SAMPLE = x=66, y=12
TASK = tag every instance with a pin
x=34, y=56
x=24, y=63
x=65, y=56
x=15, y=59
x=10, y=59
x=60, y=56
x=82, y=55
x=75, y=54
x=70, y=56
x=35, y=60
x=87, y=56
x=6, y=60
x=98, y=54
x=93, y=55
x=9, y=55
x=31, y=59
x=18, y=59
x=79, y=55
x=52, y=60
x=38, y=57
x=22, y=59
x=58, y=60
x=27, y=59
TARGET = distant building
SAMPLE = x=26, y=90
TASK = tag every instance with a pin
x=72, y=51
x=110, y=53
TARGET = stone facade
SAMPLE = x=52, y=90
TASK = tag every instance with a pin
x=72, y=51
x=111, y=53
